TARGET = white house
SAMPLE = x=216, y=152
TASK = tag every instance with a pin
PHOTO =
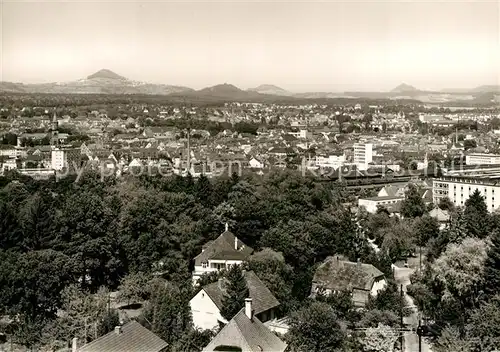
x=336, y=275
x=224, y=251
x=206, y=305
x=371, y=204
x=245, y=332
x=256, y=164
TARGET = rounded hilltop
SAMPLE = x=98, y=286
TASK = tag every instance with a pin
x=107, y=74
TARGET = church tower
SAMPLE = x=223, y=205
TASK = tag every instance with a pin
x=54, y=127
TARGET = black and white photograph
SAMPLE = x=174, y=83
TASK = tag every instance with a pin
x=249, y=176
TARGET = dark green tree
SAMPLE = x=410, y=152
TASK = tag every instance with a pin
x=341, y=302
x=31, y=283
x=492, y=266
x=315, y=328
x=445, y=204
x=484, y=326
x=108, y=322
x=477, y=216
x=276, y=274
x=413, y=205
x=426, y=227
x=203, y=190
x=236, y=292
x=168, y=313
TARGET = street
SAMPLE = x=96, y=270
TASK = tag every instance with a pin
x=402, y=276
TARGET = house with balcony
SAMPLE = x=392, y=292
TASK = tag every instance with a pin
x=224, y=251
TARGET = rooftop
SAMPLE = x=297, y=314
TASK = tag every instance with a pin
x=249, y=335
x=337, y=274
x=261, y=296
x=133, y=337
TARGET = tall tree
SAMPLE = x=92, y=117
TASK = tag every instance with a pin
x=460, y=269
x=168, y=313
x=484, y=326
x=492, y=266
x=315, y=328
x=477, y=216
x=277, y=275
x=236, y=292
x=413, y=205
x=203, y=190
x=426, y=228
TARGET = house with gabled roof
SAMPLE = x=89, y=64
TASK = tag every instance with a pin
x=336, y=275
x=245, y=332
x=131, y=337
x=207, y=304
x=221, y=253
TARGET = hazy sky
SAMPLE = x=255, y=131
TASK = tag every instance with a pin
x=320, y=46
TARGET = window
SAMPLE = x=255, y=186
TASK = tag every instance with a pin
x=204, y=264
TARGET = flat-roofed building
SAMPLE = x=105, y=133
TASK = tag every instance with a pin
x=363, y=155
x=459, y=188
x=482, y=159
x=371, y=204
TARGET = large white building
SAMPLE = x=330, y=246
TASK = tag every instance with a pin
x=371, y=204
x=363, y=155
x=329, y=161
x=458, y=190
x=58, y=159
x=482, y=159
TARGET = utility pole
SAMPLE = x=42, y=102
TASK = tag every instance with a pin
x=419, y=332
x=401, y=319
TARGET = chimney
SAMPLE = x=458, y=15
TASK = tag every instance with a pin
x=74, y=345
x=235, y=243
x=227, y=226
x=118, y=330
x=248, y=308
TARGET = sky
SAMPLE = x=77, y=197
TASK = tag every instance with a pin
x=297, y=45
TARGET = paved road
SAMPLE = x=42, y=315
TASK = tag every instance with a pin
x=402, y=276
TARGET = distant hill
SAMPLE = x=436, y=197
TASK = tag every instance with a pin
x=228, y=92
x=487, y=89
x=270, y=89
x=480, y=89
x=106, y=81
x=404, y=88
x=101, y=82
x=106, y=74
x=221, y=89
